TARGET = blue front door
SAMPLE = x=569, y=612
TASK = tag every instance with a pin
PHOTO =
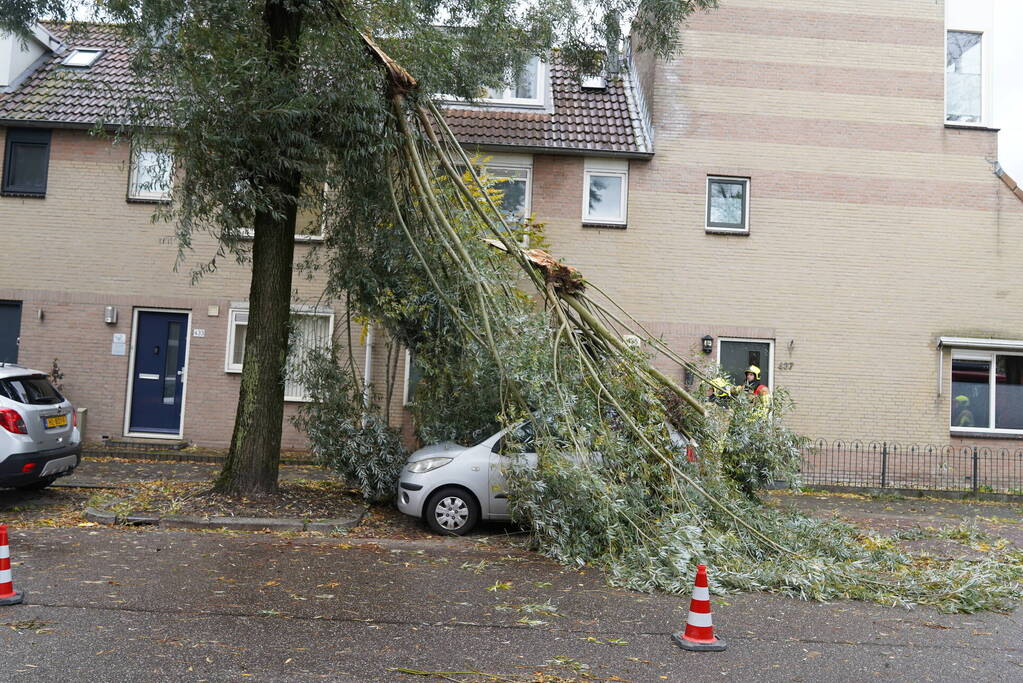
x=10, y=330
x=159, y=375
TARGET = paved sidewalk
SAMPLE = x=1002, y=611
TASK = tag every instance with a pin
x=107, y=472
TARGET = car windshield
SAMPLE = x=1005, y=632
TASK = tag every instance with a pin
x=31, y=390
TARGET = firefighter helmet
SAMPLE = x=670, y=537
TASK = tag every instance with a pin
x=755, y=370
x=720, y=385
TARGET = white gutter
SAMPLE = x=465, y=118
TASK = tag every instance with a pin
x=981, y=343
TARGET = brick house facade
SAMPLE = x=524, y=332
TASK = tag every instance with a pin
x=875, y=242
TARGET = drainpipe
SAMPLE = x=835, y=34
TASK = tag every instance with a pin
x=367, y=375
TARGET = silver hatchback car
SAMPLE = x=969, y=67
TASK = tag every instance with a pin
x=453, y=487
x=39, y=436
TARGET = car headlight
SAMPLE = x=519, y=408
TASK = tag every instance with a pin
x=428, y=465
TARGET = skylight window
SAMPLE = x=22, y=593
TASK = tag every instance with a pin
x=82, y=57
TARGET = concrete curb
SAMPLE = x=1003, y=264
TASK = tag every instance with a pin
x=172, y=456
x=319, y=526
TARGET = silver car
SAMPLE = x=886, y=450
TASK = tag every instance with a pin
x=39, y=437
x=453, y=487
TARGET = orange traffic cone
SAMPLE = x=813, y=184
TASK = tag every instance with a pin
x=8, y=596
x=699, y=633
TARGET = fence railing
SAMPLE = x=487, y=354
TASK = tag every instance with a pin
x=885, y=464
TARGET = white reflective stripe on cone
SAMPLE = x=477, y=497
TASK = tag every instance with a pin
x=5, y=551
x=5, y=575
x=701, y=593
x=699, y=619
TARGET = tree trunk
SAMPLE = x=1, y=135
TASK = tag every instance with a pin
x=253, y=460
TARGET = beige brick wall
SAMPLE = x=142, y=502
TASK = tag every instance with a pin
x=84, y=247
x=873, y=228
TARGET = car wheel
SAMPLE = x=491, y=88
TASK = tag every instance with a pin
x=452, y=511
x=37, y=485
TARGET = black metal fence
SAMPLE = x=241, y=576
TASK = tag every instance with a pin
x=882, y=464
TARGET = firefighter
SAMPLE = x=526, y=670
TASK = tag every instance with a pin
x=964, y=416
x=752, y=382
x=719, y=391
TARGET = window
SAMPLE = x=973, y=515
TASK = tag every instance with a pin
x=150, y=175
x=311, y=330
x=311, y=214
x=735, y=355
x=987, y=391
x=82, y=57
x=26, y=161
x=963, y=77
x=512, y=176
x=413, y=373
x=727, y=204
x=528, y=88
x=605, y=191
x=513, y=183
x=238, y=322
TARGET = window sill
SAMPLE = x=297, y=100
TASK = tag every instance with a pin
x=15, y=193
x=984, y=434
x=970, y=126
x=249, y=236
x=605, y=226
x=146, y=200
x=726, y=231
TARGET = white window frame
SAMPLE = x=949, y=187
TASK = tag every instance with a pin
x=770, y=351
x=95, y=52
x=238, y=308
x=406, y=399
x=541, y=91
x=491, y=164
x=323, y=221
x=747, y=183
x=249, y=233
x=991, y=358
x=985, y=85
x=494, y=171
x=134, y=192
x=606, y=167
x=233, y=313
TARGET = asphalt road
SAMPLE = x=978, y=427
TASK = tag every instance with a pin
x=133, y=605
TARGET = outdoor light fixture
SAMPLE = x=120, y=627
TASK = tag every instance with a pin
x=708, y=343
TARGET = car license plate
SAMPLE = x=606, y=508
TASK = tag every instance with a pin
x=56, y=421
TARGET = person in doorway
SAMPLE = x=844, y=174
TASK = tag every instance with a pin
x=752, y=382
x=963, y=415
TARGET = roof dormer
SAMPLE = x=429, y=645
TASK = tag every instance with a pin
x=19, y=55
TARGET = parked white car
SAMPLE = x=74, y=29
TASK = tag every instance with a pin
x=39, y=437
x=452, y=487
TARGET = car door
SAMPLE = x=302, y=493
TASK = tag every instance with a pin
x=515, y=448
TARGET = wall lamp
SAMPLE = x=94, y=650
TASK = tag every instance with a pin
x=708, y=343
